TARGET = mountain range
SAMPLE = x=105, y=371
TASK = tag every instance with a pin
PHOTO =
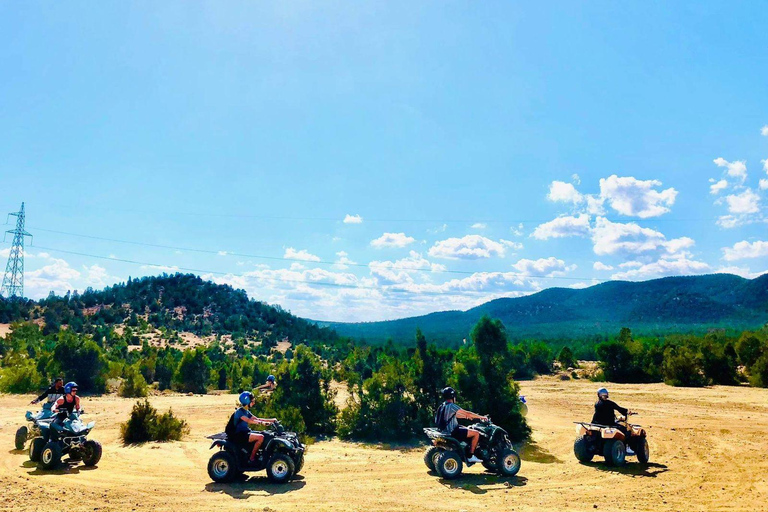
x=691, y=304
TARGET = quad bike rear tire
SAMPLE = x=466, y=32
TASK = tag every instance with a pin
x=430, y=457
x=581, y=449
x=489, y=465
x=222, y=467
x=36, y=448
x=50, y=457
x=615, y=452
x=508, y=462
x=449, y=465
x=21, y=437
x=280, y=468
x=92, y=453
x=298, y=463
x=643, y=451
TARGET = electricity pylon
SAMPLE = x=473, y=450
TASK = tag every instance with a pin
x=13, y=280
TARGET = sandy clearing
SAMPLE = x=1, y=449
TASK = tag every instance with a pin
x=708, y=451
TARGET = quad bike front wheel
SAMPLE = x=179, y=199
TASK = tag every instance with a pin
x=222, y=467
x=21, y=437
x=508, y=462
x=643, y=451
x=50, y=457
x=449, y=465
x=582, y=450
x=91, y=453
x=280, y=468
x=430, y=457
x=615, y=452
x=36, y=448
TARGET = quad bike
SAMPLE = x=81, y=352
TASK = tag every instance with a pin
x=612, y=442
x=281, y=454
x=24, y=433
x=67, y=438
x=447, y=455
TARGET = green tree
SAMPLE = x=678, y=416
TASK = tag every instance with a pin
x=566, y=358
x=81, y=360
x=748, y=348
x=683, y=367
x=194, y=371
x=133, y=385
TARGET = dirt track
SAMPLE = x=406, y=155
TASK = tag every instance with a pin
x=708, y=452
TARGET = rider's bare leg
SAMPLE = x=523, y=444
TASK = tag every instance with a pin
x=474, y=437
x=257, y=439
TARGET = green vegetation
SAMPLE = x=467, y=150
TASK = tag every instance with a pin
x=145, y=424
x=394, y=388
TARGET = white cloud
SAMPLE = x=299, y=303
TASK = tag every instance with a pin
x=562, y=227
x=717, y=186
x=97, y=276
x=765, y=165
x=666, y=266
x=763, y=184
x=470, y=247
x=745, y=202
x=353, y=219
x=479, y=225
x=636, y=198
x=630, y=264
x=560, y=191
x=402, y=271
x=743, y=250
x=548, y=267
x=392, y=240
x=764, y=130
x=735, y=169
x=293, y=254
x=57, y=277
x=343, y=262
x=629, y=238
x=576, y=179
x=517, y=231
x=222, y=253
x=599, y=265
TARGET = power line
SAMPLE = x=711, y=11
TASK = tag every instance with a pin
x=295, y=260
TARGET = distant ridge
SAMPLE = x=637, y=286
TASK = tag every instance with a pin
x=690, y=304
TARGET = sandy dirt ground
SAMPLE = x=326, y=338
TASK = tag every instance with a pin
x=708, y=453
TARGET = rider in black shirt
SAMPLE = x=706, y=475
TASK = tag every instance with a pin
x=53, y=393
x=604, y=409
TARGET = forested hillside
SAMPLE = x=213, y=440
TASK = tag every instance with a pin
x=692, y=305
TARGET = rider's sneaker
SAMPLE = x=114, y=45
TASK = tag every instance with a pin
x=629, y=451
x=474, y=459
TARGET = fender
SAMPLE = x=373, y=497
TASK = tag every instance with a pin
x=613, y=433
x=277, y=444
x=224, y=445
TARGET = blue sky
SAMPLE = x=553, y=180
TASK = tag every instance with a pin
x=479, y=149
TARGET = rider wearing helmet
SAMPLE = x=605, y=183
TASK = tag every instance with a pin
x=243, y=418
x=604, y=409
x=53, y=393
x=66, y=405
x=447, y=417
x=270, y=385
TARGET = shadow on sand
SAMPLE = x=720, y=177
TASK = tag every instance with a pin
x=482, y=484
x=534, y=453
x=635, y=469
x=247, y=487
x=65, y=468
x=17, y=452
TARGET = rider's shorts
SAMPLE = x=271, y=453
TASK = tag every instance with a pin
x=460, y=433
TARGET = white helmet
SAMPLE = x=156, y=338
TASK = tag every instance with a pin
x=602, y=393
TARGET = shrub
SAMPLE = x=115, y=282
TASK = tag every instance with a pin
x=683, y=367
x=21, y=377
x=194, y=371
x=758, y=372
x=145, y=425
x=566, y=358
x=134, y=385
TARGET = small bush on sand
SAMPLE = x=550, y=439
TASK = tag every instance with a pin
x=146, y=425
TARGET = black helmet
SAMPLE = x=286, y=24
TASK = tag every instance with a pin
x=449, y=393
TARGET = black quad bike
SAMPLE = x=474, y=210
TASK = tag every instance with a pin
x=68, y=438
x=611, y=442
x=447, y=455
x=25, y=433
x=281, y=454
